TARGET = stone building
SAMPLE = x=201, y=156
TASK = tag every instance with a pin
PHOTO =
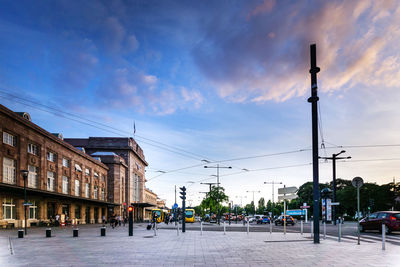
x=132, y=154
x=62, y=179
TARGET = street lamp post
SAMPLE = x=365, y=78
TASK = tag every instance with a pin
x=25, y=176
x=218, y=167
x=334, y=158
x=273, y=195
x=210, y=184
x=253, y=199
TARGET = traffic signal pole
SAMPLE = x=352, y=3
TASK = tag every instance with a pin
x=130, y=210
x=183, y=197
x=314, y=117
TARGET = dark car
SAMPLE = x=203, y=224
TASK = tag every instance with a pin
x=289, y=220
x=264, y=219
x=391, y=220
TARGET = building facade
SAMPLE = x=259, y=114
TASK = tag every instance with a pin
x=62, y=179
x=132, y=154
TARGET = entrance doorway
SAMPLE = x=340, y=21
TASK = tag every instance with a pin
x=96, y=215
x=87, y=215
x=51, y=210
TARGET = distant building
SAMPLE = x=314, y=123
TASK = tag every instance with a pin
x=133, y=164
x=62, y=179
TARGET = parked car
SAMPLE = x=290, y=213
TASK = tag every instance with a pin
x=264, y=219
x=289, y=220
x=391, y=220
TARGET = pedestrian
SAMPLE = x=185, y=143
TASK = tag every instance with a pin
x=119, y=220
x=104, y=219
x=112, y=220
x=57, y=220
x=125, y=220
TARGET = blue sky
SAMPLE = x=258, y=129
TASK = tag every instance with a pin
x=218, y=79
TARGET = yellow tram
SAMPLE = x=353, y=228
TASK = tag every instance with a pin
x=189, y=216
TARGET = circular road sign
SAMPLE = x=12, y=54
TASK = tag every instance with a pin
x=357, y=182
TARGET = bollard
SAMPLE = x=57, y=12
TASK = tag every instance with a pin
x=340, y=230
x=312, y=229
x=224, y=229
x=177, y=229
x=383, y=236
x=103, y=231
x=324, y=230
x=75, y=232
x=248, y=225
x=201, y=228
x=48, y=232
x=155, y=229
x=270, y=228
x=301, y=227
x=20, y=233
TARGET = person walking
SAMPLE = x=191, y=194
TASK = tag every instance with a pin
x=119, y=220
x=112, y=220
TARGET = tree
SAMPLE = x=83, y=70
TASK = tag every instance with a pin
x=210, y=201
x=261, y=206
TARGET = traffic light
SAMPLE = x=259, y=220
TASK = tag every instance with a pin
x=183, y=193
x=130, y=208
x=130, y=228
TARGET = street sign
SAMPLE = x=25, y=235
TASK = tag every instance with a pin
x=295, y=212
x=287, y=190
x=175, y=206
x=287, y=197
x=357, y=182
x=335, y=203
x=304, y=207
x=28, y=204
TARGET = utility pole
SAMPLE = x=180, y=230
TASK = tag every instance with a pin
x=218, y=167
x=314, y=117
x=253, y=199
x=241, y=200
x=334, y=158
x=273, y=195
x=210, y=184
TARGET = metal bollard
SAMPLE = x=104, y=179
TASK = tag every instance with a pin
x=48, y=232
x=177, y=229
x=155, y=229
x=301, y=227
x=20, y=233
x=270, y=227
x=324, y=230
x=312, y=229
x=383, y=236
x=103, y=231
x=224, y=229
x=248, y=227
x=201, y=228
x=340, y=230
x=75, y=232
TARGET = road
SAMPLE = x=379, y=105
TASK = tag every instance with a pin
x=349, y=230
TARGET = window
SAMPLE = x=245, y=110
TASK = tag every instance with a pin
x=50, y=181
x=95, y=192
x=87, y=190
x=9, y=139
x=65, y=184
x=87, y=171
x=8, y=209
x=32, y=176
x=9, y=171
x=381, y=215
x=51, y=156
x=78, y=168
x=33, y=210
x=77, y=188
x=33, y=149
x=102, y=194
x=65, y=162
x=373, y=216
x=103, y=178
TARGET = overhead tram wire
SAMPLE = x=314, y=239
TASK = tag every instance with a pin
x=101, y=127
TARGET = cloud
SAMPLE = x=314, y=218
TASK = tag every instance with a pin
x=265, y=55
x=134, y=89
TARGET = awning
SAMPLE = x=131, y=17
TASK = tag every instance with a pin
x=143, y=205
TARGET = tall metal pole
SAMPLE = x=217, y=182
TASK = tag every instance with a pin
x=358, y=214
x=333, y=189
x=314, y=115
x=218, y=218
x=273, y=195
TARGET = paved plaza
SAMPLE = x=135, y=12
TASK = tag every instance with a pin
x=212, y=248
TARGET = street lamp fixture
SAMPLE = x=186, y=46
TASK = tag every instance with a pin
x=25, y=174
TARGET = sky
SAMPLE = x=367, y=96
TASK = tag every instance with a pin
x=224, y=81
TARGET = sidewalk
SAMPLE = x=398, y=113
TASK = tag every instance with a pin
x=188, y=249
